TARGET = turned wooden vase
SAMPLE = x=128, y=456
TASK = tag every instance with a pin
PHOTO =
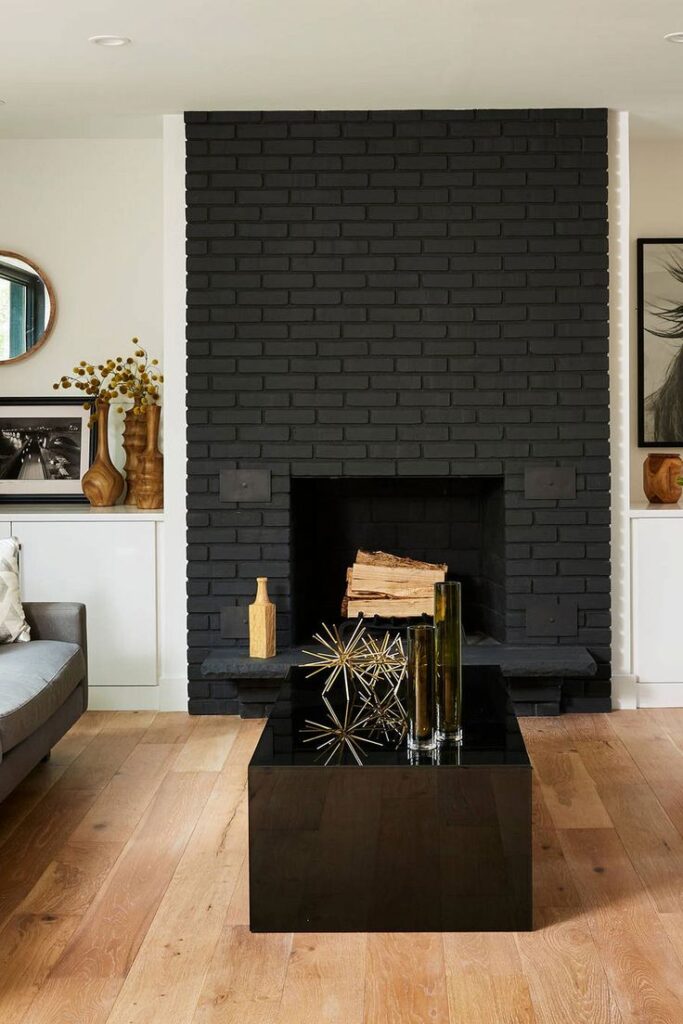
x=660, y=479
x=134, y=444
x=102, y=484
x=150, y=482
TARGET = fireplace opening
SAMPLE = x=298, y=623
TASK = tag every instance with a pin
x=456, y=520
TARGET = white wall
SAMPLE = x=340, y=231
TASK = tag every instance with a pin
x=656, y=212
x=89, y=213
x=105, y=219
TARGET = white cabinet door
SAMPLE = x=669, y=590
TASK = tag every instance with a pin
x=658, y=600
x=110, y=567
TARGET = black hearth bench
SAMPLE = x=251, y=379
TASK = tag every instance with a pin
x=541, y=680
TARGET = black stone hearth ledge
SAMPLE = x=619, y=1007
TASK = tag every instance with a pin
x=542, y=680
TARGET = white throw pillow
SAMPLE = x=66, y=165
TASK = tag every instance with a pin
x=13, y=624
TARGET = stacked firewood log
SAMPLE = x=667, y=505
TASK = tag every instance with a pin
x=381, y=584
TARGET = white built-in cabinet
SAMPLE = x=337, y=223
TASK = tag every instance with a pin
x=657, y=604
x=108, y=559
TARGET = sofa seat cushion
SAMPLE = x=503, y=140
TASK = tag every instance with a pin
x=35, y=680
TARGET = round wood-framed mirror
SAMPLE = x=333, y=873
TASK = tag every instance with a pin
x=27, y=307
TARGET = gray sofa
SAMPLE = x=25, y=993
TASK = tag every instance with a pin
x=43, y=687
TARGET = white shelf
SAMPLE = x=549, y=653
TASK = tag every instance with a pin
x=78, y=513
x=643, y=510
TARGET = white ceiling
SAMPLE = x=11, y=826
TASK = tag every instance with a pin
x=332, y=54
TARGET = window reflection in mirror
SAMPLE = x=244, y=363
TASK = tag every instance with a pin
x=26, y=307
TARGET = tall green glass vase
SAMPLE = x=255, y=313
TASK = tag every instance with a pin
x=448, y=661
x=420, y=686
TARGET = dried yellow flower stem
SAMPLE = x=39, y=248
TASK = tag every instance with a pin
x=117, y=378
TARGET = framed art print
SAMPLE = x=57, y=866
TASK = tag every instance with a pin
x=660, y=342
x=45, y=448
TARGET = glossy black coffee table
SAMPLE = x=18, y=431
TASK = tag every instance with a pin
x=443, y=845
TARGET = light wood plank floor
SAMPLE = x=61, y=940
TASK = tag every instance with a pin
x=123, y=891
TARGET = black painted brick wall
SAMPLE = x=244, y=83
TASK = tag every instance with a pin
x=404, y=292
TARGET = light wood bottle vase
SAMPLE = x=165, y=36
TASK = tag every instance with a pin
x=102, y=483
x=262, y=622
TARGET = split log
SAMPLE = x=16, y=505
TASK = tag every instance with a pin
x=382, y=584
x=389, y=607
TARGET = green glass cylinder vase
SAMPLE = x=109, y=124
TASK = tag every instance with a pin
x=420, y=689
x=448, y=661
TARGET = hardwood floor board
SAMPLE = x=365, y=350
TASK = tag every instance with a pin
x=569, y=792
x=248, y=736
x=79, y=737
x=82, y=767
x=567, y=980
x=87, y=978
x=648, y=835
x=324, y=980
x=673, y=926
x=124, y=891
x=658, y=757
x=97, y=763
x=36, y=934
x=486, y=980
x=30, y=946
x=36, y=841
x=24, y=798
x=209, y=744
x=405, y=979
x=671, y=721
x=245, y=978
x=587, y=727
x=608, y=762
x=175, y=954
x=553, y=885
x=238, y=909
x=545, y=734
x=653, y=844
x=170, y=727
x=641, y=964
x=121, y=804
x=541, y=818
x=73, y=879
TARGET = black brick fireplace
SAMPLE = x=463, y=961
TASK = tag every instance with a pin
x=399, y=307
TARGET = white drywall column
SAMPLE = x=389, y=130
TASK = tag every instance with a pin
x=623, y=681
x=173, y=564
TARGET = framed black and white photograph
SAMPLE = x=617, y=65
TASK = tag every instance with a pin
x=45, y=448
x=660, y=342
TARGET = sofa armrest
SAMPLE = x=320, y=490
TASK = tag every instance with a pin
x=59, y=620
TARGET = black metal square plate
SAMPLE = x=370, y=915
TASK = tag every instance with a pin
x=245, y=485
x=543, y=483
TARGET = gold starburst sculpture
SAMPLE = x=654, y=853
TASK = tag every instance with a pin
x=372, y=671
x=344, y=731
x=384, y=661
x=340, y=658
x=385, y=714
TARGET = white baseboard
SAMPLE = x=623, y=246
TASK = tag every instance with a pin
x=123, y=698
x=624, y=692
x=660, y=695
x=169, y=695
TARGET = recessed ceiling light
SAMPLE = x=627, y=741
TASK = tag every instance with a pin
x=674, y=37
x=109, y=40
